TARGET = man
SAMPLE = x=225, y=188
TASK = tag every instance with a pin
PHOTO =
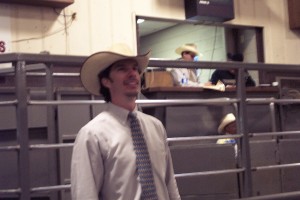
x=228, y=127
x=228, y=77
x=104, y=160
x=185, y=76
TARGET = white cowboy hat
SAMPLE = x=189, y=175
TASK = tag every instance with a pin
x=99, y=61
x=187, y=47
x=229, y=118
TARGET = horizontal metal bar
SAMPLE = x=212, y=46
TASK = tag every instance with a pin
x=157, y=62
x=166, y=63
x=56, y=74
x=216, y=172
x=50, y=146
x=34, y=67
x=7, y=70
x=150, y=103
x=272, y=100
x=10, y=191
x=281, y=196
x=66, y=102
x=179, y=102
x=65, y=74
x=38, y=146
x=51, y=188
x=274, y=133
x=199, y=138
x=35, y=74
x=10, y=148
x=43, y=58
x=11, y=102
x=173, y=102
x=281, y=166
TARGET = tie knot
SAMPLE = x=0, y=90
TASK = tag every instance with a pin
x=131, y=116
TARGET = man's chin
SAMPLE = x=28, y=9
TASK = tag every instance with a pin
x=132, y=94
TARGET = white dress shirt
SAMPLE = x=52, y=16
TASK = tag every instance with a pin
x=190, y=74
x=103, y=163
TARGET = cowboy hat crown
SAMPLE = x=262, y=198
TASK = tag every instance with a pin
x=99, y=61
x=187, y=47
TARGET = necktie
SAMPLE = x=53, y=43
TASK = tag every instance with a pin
x=142, y=160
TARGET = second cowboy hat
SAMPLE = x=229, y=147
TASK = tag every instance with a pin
x=229, y=118
x=99, y=61
x=187, y=47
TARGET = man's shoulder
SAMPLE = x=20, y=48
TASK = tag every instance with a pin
x=98, y=125
x=98, y=119
x=148, y=117
x=221, y=71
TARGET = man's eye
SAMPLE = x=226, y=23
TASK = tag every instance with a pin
x=121, y=69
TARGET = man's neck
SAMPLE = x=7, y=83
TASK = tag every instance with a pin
x=128, y=104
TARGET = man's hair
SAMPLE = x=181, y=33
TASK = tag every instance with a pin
x=104, y=90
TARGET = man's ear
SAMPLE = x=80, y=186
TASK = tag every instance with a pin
x=105, y=82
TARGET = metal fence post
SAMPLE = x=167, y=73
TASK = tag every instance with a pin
x=22, y=130
x=243, y=129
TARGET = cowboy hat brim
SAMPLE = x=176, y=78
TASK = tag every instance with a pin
x=183, y=48
x=97, y=62
x=229, y=118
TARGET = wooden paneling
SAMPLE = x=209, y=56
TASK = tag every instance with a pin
x=158, y=79
x=48, y=3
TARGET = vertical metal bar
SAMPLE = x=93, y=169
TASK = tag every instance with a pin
x=22, y=130
x=273, y=117
x=243, y=129
x=51, y=134
x=281, y=108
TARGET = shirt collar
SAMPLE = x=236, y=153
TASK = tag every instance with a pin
x=119, y=112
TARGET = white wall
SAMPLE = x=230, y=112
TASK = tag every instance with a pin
x=281, y=44
x=99, y=23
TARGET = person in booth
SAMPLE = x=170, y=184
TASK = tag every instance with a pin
x=228, y=77
x=228, y=127
x=121, y=154
x=186, y=76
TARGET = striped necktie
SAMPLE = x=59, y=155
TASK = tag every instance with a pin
x=142, y=160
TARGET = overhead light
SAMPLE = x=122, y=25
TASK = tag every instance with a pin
x=139, y=21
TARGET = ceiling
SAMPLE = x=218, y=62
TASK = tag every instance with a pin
x=149, y=26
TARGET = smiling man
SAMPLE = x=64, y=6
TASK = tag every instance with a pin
x=121, y=154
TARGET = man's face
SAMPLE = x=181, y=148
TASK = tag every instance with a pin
x=231, y=128
x=124, y=79
x=188, y=55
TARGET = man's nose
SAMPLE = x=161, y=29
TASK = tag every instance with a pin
x=133, y=71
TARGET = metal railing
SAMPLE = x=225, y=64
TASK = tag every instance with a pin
x=23, y=62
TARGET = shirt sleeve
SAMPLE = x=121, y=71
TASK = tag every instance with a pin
x=214, y=77
x=86, y=167
x=176, y=74
x=194, y=84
